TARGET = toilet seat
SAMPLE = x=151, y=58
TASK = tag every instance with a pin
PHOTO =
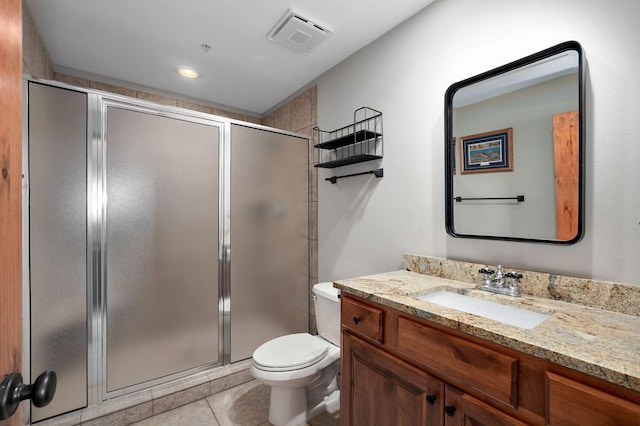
x=290, y=352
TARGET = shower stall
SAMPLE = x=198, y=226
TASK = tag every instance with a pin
x=158, y=242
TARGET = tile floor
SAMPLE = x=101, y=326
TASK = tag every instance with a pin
x=243, y=405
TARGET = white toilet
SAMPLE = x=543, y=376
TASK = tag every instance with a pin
x=302, y=369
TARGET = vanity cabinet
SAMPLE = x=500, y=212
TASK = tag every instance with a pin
x=387, y=391
x=572, y=402
x=463, y=409
x=398, y=369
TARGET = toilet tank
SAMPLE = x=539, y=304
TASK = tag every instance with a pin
x=327, y=308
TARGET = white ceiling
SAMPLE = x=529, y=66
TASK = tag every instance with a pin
x=143, y=41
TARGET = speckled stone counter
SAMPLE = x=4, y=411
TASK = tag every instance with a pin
x=597, y=342
x=617, y=297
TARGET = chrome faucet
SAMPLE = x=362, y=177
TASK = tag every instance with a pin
x=498, y=284
x=498, y=278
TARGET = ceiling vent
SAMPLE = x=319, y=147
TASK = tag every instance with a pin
x=297, y=33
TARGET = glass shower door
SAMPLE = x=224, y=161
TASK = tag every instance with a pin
x=57, y=230
x=152, y=234
x=162, y=245
x=269, y=182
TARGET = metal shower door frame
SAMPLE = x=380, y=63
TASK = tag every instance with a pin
x=98, y=246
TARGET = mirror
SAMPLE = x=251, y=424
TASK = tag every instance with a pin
x=514, y=150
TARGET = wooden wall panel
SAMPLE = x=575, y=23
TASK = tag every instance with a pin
x=10, y=191
x=566, y=145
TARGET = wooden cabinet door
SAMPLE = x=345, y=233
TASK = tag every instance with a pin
x=378, y=389
x=462, y=409
x=574, y=403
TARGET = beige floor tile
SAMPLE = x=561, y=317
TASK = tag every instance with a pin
x=244, y=405
x=195, y=414
x=326, y=419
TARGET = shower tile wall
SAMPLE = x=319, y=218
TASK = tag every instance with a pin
x=35, y=60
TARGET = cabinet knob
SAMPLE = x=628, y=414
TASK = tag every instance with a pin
x=431, y=399
x=450, y=410
x=356, y=320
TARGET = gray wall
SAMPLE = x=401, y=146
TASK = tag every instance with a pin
x=364, y=224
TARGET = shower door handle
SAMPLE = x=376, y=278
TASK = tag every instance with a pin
x=12, y=391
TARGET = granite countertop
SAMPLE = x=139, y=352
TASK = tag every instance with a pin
x=597, y=342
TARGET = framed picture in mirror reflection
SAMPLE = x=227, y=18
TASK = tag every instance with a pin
x=487, y=152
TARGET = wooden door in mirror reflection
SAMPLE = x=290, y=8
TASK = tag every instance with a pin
x=566, y=154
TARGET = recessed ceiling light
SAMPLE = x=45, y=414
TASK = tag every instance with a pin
x=187, y=72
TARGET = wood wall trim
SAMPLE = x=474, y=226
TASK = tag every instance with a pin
x=11, y=191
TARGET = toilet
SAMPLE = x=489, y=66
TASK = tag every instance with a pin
x=301, y=369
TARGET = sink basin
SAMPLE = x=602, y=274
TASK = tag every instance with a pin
x=484, y=308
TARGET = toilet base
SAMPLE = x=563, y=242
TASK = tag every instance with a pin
x=293, y=406
x=330, y=403
x=288, y=406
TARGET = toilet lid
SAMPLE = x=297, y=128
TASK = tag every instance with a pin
x=290, y=352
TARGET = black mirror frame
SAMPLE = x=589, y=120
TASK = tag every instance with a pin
x=448, y=136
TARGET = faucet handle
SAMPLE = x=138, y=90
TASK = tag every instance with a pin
x=486, y=271
x=485, y=280
x=513, y=279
